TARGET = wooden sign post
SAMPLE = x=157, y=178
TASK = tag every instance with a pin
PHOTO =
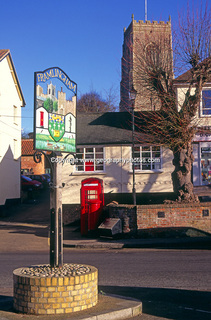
x=56, y=228
x=55, y=96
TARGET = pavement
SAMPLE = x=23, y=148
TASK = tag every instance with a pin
x=26, y=229
x=73, y=239
x=108, y=308
x=20, y=236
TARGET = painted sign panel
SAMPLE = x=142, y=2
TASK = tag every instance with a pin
x=54, y=111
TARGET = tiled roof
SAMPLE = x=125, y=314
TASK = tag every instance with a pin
x=27, y=147
x=3, y=53
x=103, y=128
x=187, y=76
x=106, y=128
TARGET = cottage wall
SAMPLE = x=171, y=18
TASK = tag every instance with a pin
x=117, y=175
x=10, y=134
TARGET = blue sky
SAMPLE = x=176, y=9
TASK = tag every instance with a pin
x=82, y=37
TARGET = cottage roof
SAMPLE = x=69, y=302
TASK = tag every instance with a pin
x=27, y=147
x=108, y=128
x=5, y=53
x=104, y=128
x=187, y=76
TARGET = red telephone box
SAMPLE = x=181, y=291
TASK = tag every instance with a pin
x=92, y=202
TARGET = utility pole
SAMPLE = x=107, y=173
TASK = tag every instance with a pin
x=132, y=97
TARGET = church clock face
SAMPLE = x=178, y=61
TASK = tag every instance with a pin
x=55, y=111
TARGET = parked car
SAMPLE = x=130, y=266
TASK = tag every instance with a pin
x=41, y=178
x=27, y=184
x=47, y=176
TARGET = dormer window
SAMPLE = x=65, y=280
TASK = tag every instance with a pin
x=206, y=102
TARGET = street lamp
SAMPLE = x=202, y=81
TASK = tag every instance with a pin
x=132, y=97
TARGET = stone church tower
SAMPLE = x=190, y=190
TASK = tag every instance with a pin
x=139, y=39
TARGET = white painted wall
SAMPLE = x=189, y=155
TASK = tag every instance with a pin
x=117, y=177
x=10, y=135
x=199, y=139
x=198, y=120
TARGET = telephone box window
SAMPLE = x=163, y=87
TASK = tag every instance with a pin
x=92, y=194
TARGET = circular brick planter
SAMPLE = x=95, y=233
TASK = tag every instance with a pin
x=38, y=294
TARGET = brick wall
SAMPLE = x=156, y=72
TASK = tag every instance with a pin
x=27, y=162
x=71, y=213
x=128, y=216
x=163, y=216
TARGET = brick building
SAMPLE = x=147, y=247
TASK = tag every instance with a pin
x=27, y=160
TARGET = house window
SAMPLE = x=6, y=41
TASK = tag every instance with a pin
x=206, y=102
x=90, y=159
x=147, y=158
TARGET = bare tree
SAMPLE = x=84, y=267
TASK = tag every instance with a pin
x=93, y=102
x=174, y=125
x=111, y=98
x=25, y=134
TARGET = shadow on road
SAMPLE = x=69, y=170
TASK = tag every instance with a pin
x=36, y=211
x=165, y=303
x=23, y=229
x=6, y=303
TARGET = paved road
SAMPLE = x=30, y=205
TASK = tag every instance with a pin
x=172, y=284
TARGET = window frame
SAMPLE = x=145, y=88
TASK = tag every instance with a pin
x=83, y=163
x=151, y=169
x=201, y=103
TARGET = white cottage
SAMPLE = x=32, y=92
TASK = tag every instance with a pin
x=202, y=140
x=11, y=101
x=104, y=142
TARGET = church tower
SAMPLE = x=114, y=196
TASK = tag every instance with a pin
x=139, y=39
x=51, y=91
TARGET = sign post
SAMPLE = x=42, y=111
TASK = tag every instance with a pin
x=55, y=131
x=56, y=228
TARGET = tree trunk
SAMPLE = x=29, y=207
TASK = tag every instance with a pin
x=181, y=177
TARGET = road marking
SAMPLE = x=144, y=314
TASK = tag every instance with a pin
x=192, y=309
x=203, y=311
